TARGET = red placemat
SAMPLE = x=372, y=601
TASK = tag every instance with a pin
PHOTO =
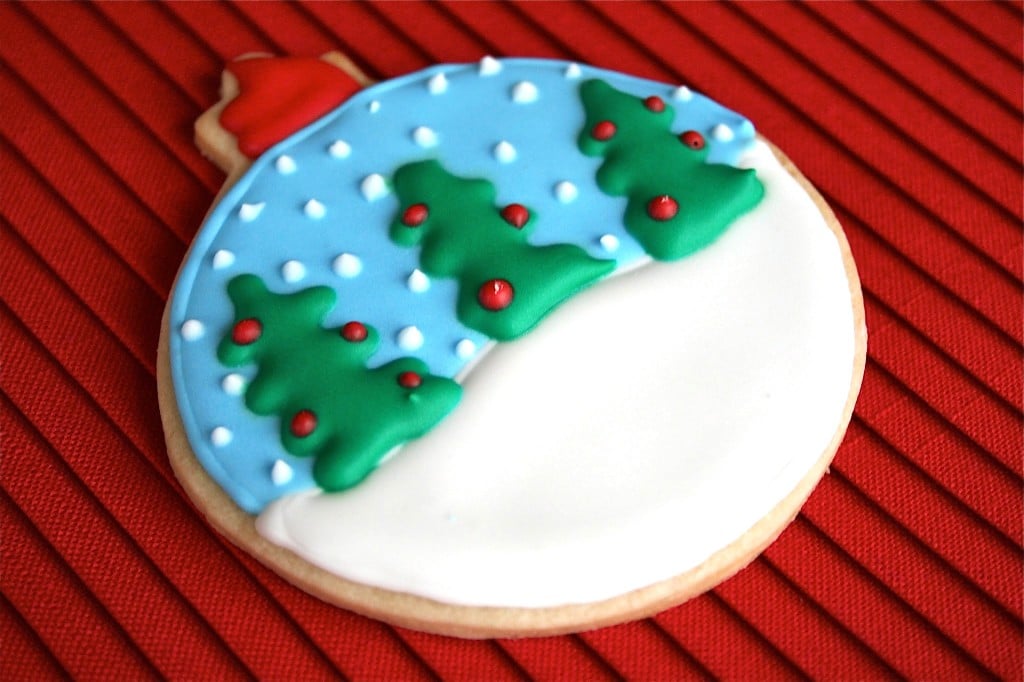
x=906, y=561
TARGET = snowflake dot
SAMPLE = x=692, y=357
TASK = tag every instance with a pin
x=233, y=384
x=424, y=137
x=566, y=192
x=285, y=165
x=293, y=271
x=489, y=66
x=223, y=259
x=524, y=92
x=249, y=212
x=373, y=187
x=221, y=436
x=192, y=330
x=504, y=152
x=314, y=209
x=347, y=265
x=281, y=473
x=465, y=348
x=410, y=338
x=418, y=282
x=609, y=242
x=339, y=149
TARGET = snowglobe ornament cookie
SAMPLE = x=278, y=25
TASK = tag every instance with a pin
x=512, y=348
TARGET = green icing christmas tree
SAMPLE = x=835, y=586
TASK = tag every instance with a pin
x=677, y=203
x=331, y=406
x=506, y=285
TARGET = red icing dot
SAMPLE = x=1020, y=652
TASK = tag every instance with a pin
x=663, y=207
x=415, y=215
x=303, y=423
x=655, y=104
x=409, y=380
x=495, y=294
x=603, y=130
x=515, y=215
x=692, y=139
x=353, y=331
x=246, y=331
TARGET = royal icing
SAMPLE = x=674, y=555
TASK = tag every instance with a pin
x=571, y=444
x=330, y=221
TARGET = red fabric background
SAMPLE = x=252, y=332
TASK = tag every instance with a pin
x=906, y=560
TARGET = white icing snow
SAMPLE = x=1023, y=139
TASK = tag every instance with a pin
x=643, y=426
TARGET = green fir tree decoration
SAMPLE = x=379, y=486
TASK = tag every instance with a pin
x=677, y=202
x=506, y=285
x=331, y=406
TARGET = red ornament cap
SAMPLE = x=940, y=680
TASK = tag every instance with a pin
x=495, y=294
x=415, y=215
x=603, y=130
x=303, y=423
x=515, y=215
x=662, y=208
x=655, y=104
x=354, y=331
x=692, y=139
x=409, y=380
x=279, y=96
x=247, y=331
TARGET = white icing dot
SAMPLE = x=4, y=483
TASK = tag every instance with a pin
x=285, y=165
x=573, y=71
x=347, y=265
x=223, y=259
x=489, y=66
x=418, y=281
x=524, y=92
x=373, y=187
x=293, y=271
x=504, y=152
x=410, y=338
x=339, y=149
x=249, y=212
x=746, y=129
x=192, y=330
x=221, y=436
x=281, y=473
x=233, y=384
x=424, y=137
x=465, y=348
x=314, y=209
x=609, y=242
x=682, y=93
x=566, y=192
x=722, y=133
x=373, y=106
x=437, y=84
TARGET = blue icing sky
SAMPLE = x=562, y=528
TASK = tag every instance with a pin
x=473, y=114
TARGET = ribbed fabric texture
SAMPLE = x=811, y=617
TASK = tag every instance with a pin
x=906, y=561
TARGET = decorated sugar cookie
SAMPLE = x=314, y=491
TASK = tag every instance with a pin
x=507, y=348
